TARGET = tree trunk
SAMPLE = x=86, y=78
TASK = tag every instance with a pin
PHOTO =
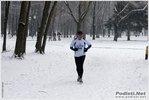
x=128, y=33
x=103, y=34
x=5, y=25
x=84, y=21
x=64, y=27
x=2, y=20
x=78, y=26
x=12, y=24
x=16, y=25
x=94, y=20
x=99, y=28
x=42, y=26
x=47, y=27
x=108, y=32
x=115, y=33
x=21, y=31
x=26, y=27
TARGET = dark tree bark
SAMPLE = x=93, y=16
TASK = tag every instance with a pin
x=47, y=27
x=2, y=17
x=108, y=32
x=42, y=27
x=128, y=32
x=21, y=31
x=94, y=20
x=5, y=25
x=116, y=32
x=12, y=24
x=26, y=27
x=84, y=21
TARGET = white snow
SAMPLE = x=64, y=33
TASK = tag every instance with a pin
x=109, y=67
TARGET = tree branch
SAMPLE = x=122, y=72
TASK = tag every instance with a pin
x=123, y=9
x=135, y=10
x=85, y=12
x=67, y=4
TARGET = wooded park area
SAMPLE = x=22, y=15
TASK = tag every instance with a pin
x=96, y=18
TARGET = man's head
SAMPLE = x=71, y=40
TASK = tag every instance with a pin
x=79, y=35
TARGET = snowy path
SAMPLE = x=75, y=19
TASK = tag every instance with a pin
x=109, y=67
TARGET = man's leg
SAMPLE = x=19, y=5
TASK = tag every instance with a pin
x=78, y=65
x=81, y=65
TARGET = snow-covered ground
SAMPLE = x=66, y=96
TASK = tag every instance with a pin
x=109, y=67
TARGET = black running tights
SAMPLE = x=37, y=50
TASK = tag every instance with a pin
x=79, y=65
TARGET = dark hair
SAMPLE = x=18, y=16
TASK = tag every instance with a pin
x=79, y=32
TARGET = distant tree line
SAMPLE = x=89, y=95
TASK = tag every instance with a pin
x=38, y=18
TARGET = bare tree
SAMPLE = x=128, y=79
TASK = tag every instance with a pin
x=5, y=25
x=19, y=52
x=47, y=27
x=42, y=27
x=2, y=16
x=84, y=21
x=26, y=27
x=96, y=17
x=81, y=13
x=13, y=19
x=94, y=3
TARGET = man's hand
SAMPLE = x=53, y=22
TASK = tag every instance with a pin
x=75, y=49
x=85, y=49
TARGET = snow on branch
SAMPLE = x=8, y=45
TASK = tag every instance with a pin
x=123, y=9
x=65, y=2
x=115, y=9
x=22, y=23
x=135, y=10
